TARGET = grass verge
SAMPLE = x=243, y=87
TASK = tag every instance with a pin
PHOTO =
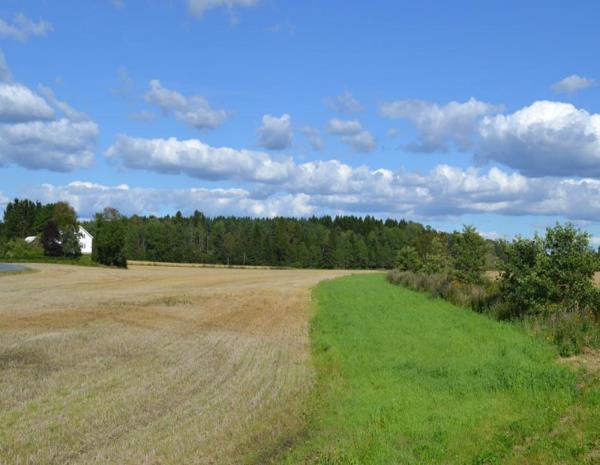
x=406, y=379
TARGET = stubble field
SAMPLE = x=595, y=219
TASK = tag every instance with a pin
x=152, y=365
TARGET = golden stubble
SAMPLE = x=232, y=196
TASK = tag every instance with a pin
x=153, y=365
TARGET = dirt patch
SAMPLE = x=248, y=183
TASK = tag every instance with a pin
x=589, y=360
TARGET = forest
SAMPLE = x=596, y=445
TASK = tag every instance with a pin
x=316, y=242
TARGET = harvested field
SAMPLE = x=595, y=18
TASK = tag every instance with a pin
x=168, y=365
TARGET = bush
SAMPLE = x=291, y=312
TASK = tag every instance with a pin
x=19, y=249
x=70, y=242
x=545, y=283
x=407, y=259
x=469, y=253
x=549, y=274
x=482, y=298
x=51, y=240
x=109, y=243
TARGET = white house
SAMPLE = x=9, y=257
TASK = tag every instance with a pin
x=85, y=241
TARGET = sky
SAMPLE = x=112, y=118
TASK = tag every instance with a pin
x=446, y=113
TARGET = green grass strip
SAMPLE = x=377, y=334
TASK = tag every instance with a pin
x=406, y=379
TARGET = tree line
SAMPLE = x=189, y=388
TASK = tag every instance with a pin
x=349, y=242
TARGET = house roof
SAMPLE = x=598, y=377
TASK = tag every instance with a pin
x=81, y=228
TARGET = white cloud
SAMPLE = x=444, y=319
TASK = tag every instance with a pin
x=194, y=111
x=18, y=103
x=22, y=28
x=344, y=103
x=199, y=7
x=314, y=137
x=572, y=83
x=492, y=235
x=363, y=141
x=545, y=138
x=352, y=134
x=194, y=158
x=330, y=186
x=60, y=145
x=341, y=127
x=43, y=132
x=88, y=198
x=69, y=112
x=440, y=126
x=275, y=133
x=333, y=187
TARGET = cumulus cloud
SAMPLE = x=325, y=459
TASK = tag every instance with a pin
x=333, y=187
x=22, y=28
x=363, y=141
x=314, y=137
x=344, y=103
x=572, y=83
x=194, y=158
x=275, y=133
x=19, y=103
x=440, y=126
x=60, y=145
x=352, y=134
x=341, y=127
x=194, y=110
x=543, y=139
x=88, y=198
x=199, y=7
x=39, y=131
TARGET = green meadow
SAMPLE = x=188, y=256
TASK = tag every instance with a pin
x=403, y=378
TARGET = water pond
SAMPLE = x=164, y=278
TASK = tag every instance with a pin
x=11, y=268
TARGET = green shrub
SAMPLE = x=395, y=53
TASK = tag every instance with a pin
x=407, y=259
x=19, y=249
x=549, y=274
x=469, y=252
x=109, y=243
x=482, y=298
x=70, y=242
x=545, y=283
x=51, y=240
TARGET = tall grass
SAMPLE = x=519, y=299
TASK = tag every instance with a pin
x=570, y=331
x=406, y=379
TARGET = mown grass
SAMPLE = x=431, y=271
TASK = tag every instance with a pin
x=406, y=379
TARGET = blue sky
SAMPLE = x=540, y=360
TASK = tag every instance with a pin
x=442, y=112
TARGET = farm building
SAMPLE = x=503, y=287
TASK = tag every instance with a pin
x=85, y=240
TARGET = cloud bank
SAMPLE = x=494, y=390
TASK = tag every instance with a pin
x=38, y=131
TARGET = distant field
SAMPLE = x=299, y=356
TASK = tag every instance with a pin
x=152, y=365
x=406, y=379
